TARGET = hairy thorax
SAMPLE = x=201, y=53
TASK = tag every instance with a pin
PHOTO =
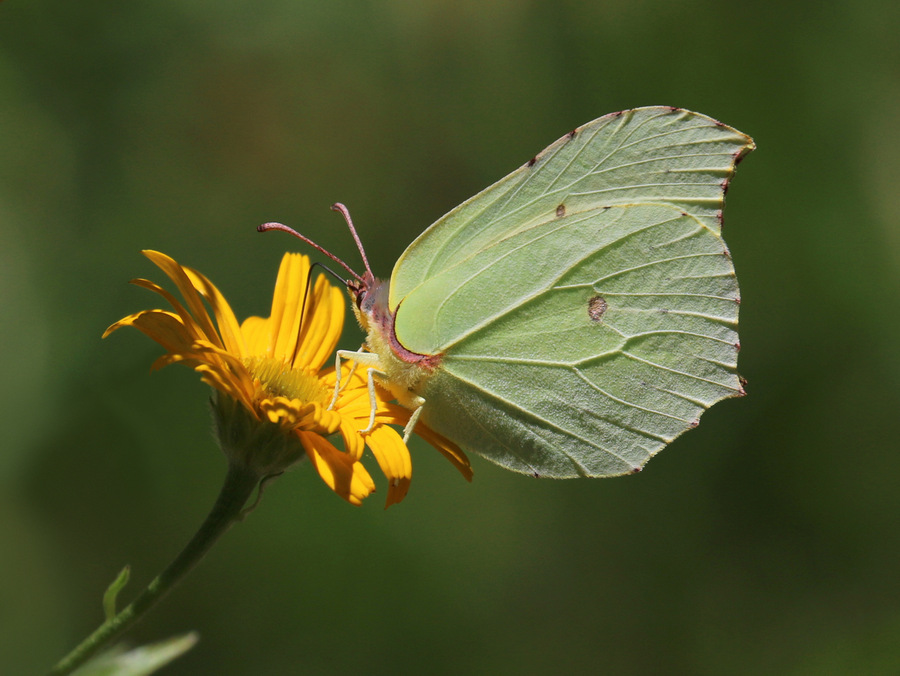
x=403, y=372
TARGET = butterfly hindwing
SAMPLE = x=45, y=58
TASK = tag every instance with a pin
x=592, y=371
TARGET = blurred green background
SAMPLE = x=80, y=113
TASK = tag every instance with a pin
x=766, y=541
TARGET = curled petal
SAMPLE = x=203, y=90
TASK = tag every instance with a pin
x=189, y=324
x=165, y=327
x=393, y=458
x=326, y=421
x=285, y=411
x=353, y=441
x=347, y=478
x=195, y=304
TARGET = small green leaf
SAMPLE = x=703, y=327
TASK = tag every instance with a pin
x=109, y=597
x=138, y=661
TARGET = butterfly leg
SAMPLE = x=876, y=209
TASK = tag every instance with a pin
x=374, y=367
x=346, y=355
x=373, y=402
x=413, y=419
x=337, y=380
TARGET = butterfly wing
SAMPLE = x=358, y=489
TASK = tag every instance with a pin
x=585, y=306
x=594, y=370
x=654, y=154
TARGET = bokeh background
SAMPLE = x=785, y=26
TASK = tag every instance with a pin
x=766, y=541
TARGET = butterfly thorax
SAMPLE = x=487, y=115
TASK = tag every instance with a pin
x=403, y=372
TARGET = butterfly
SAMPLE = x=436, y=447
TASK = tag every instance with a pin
x=579, y=314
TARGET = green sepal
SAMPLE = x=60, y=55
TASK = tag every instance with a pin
x=258, y=446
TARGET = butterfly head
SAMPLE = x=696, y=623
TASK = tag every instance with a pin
x=370, y=295
x=370, y=301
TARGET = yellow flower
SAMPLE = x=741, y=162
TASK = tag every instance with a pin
x=274, y=402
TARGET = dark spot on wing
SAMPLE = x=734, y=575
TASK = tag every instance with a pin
x=572, y=133
x=635, y=470
x=531, y=162
x=561, y=211
x=694, y=422
x=597, y=308
x=724, y=186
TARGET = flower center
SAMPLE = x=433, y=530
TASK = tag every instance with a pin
x=281, y=381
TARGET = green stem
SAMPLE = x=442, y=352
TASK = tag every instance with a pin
x=239, y=485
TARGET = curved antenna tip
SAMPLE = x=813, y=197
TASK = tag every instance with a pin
x=266, y=227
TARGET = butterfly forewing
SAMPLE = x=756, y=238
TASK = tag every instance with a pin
x=654, y=154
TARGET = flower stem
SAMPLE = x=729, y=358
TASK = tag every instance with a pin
x=239, y=484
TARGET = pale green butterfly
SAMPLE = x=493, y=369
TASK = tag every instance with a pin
x=576, y=316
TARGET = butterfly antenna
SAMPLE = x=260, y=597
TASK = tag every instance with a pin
x=337, y=206
x=265, y=227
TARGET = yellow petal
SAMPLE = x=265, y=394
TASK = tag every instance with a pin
x=354, y=385
x=190, y=324
x=219, y=357
x=284, y=410
x=323, y=323
x=165, y=327
x=195, y=304
x=240, y=385
x=326, y=421
x=225, y=319
x=390, y=414
x=288, y=302
x=447, y=448
x=256, y=336
x=347, y=478
x=353, y=441
x=393, y=458
x=225, y=382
